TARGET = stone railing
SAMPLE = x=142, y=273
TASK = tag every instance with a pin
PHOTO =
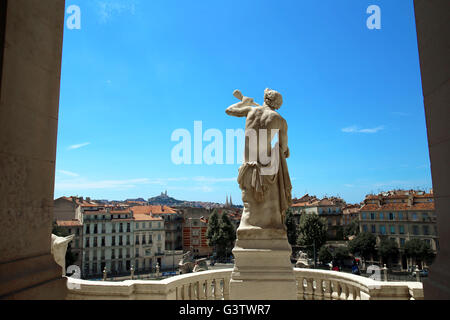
x=313, y=284
x=214, y=285
x=206, y=285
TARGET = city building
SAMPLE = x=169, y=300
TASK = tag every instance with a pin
x=195, y=224
x=350, y=213
x=401, y=215
x=108, y=234
x=149, y=237
x=328, y=208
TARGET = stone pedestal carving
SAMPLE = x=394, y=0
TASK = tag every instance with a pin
x=263, y=270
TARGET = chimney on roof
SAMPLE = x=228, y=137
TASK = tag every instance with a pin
x=410, y=199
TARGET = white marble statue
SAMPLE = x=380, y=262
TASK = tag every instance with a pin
x=59, y=249
x=263, y=269
x=266, y=193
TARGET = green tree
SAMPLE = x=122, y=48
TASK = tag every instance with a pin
x=352, y=229
x=340, y=254
x=312, y=233
x=388, y=250
x=212, y=231
x=291, y=227
x=325, y=255
x=364, y=245
x=227, y=236
x=419, y=250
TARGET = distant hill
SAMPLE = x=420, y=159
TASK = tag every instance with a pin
x=164, y=199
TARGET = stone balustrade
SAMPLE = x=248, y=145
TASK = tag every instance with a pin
x=206, y=285
x=312, y=284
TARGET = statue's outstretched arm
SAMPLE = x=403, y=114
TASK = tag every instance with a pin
x=242, y=108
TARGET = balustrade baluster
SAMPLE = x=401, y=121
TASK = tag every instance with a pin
x=318, y=292
x=202, y=290
x=217, y=290
x=335, y=293
x=344, y=291
x=186, y=292
x=327, y=287
x=351, y=292
x=309, y=290
x=209, y=295
x=226, y=289
x=300, y=288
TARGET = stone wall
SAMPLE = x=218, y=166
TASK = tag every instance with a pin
x=433, y=35
x=29, y=104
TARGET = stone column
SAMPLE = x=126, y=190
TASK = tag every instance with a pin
x=433, y=28
x=29, y=101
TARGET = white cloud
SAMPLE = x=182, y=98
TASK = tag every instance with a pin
x=78, y=146
x=68, y=173
x=213, y=179
x=102, y=184
x=356, y=129
x=108, y=9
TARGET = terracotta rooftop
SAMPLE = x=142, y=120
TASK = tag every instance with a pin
x=68, y=223
x=398, y=206
x=146, y=217
x=152, y=210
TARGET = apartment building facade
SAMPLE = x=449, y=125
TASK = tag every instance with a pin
x=401, y=216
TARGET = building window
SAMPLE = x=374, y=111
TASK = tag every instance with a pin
x=364, y=228
x=137, y=239
x=426, y=230
x=137, y=252
x=391, y=216
x=159, y=236
x=374, y=229
x=401, y=229
x=363, y=216
x=392, y=229
x=383, y=229
x=402, y=242
x=103, y=241
x=381, y=216
x=414, y=216
x=416, y=230
x=372, y=216
x=400, y=216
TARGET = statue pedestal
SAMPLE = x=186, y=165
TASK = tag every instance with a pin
x=262, y=270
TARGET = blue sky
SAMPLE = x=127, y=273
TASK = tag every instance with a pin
x=138, y=70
